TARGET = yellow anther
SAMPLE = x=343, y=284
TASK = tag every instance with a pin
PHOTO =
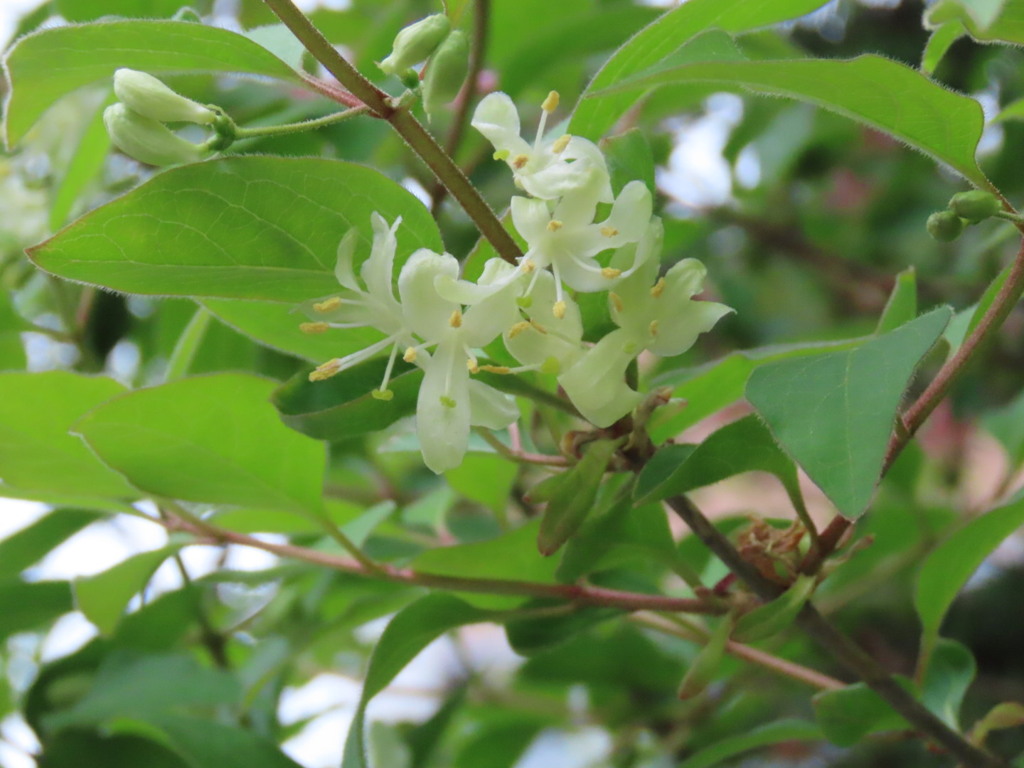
x=609, y=231
x=472, y=366
x=325, y=370
x=610, y=272
x=616, y=300
x=538, y=327
x=455, y=321
x=382, y=394
x=314, y=327
x=502, y=154
x=502, y=369
x=551, y=102
x=519, y=161
x=658, y=288
x=410, y=355
x=561, y=143
x=327, y=304
x=529, y=265
x=518, y=328
x=558, y=310
x=554, y=225
x=653, y=328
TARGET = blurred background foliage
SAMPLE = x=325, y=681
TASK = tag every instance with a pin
x=803, y=219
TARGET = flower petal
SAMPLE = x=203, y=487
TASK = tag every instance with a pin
x=497, y=119
x=489, y=407
x=426, y=313
x=378, y=270
x=596, y=383
x=343, y=270
x=684, y=323
x=443, y=408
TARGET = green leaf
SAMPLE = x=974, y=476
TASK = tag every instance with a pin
x=512, y=556
x=1009, y=714
x=53, y=62
x=104, y=596
x=630, y=157
x=29, y=545
x=485, y=478
x=211, y=439
x=901, y=307
x=592, y=118
x=849, y=714
x=36, y=452
x=743, y=446
x=531, y=635
x=883, y=94
x=264, y=228
x=776, y=616
x=343, y=406
x=134, y=686
x=574, y=497
x=951, y=564
x=25, y=606
x=88, y=10
x=980, y=14
x=947, y=679
x=85, y=165
x=762, y=736
x=408, y=633
x=706, y=664
x=1006, y=425
x=939, y=43
x=209, y=744
x=834, y=413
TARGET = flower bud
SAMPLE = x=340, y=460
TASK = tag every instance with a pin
x=147, y=140
x=446, y=72
x=149, y=97
x=945, y=226
x=975, y=205
x=415, y=43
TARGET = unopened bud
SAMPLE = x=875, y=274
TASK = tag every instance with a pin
x=415, y=43
x=146, y=140
x=975, y=205
x=446, y=72
x=945, y=226
x=150, y=97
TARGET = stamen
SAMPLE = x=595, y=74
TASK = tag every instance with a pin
x=518, y=328
x=551, y=102
x=538, y=327
x=658, y=288
x=502, y=369
x=324, y=371
x=327, y=304
x=561, y=143
x=384, y=393
x=410, y=355
x=524, y=301
x=554, y=225
x=529, y=265
x=519, y=161
x=455, y=321
x=558, y=310
x=501, y=154
x=653, y=328
x=609, y=231
x=471, y=365
x=611, y=272
x=317, y=327
x=616, y=300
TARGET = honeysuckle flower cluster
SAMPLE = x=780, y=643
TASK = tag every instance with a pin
x=441, y=323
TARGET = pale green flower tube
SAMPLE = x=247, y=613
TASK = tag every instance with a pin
x=146, y=140
x=146, y=95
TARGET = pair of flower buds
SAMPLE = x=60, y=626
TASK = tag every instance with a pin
x=136, y=123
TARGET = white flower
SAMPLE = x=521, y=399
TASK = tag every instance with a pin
x=543, y=341
x=565, y=236
x=661, y=318
x=547, y=169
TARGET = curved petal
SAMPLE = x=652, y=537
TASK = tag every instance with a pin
x=678, y=332
x=443, y=409
x=630, y=216
x=549, y=177
x=596, y=383
x=426, y=313
x=490, y=408
x=584, y=275
x=497, y=119
x=531, y=219
x=378, y=270
x=343, y=269
x=583, y=150
x=685, y=279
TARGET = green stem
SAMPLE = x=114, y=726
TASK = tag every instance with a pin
x=403, y=121
x=188, y=344
x=305, y=125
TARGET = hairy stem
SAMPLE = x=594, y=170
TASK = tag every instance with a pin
x=572, y=593
x=403, y=121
